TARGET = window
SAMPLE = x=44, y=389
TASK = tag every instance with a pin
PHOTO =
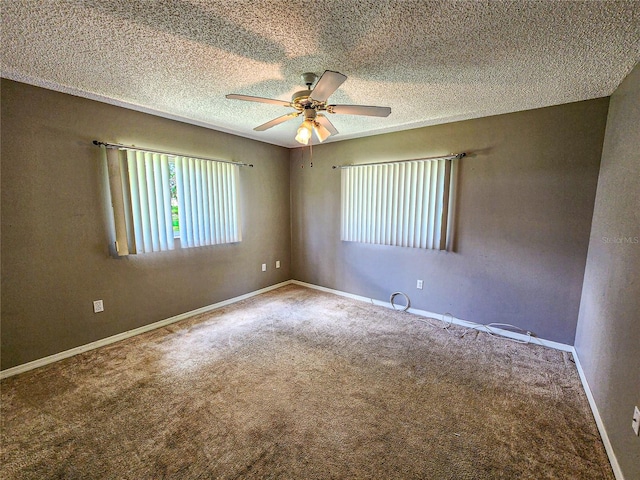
x=158, y=197
x=400, y=203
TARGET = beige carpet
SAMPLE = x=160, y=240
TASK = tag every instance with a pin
x=299, y=384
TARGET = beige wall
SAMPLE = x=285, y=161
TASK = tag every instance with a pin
x=608, y=336
x=55, y=258
x=524, y=207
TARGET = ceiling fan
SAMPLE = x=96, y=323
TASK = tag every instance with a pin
x=310, y=103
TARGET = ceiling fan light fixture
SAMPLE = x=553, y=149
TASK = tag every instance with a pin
x=321, y=132
x=304, y=132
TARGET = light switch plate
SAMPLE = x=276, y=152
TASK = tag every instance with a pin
x=264, y=267
x=635, y=424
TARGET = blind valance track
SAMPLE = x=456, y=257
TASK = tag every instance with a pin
x=161, y=152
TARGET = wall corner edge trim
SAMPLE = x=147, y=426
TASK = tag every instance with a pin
x=613, y=460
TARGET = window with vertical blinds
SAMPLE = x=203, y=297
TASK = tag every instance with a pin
x=403, y=204
x=158, y=197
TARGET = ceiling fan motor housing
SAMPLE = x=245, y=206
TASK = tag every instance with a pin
x=301, y=98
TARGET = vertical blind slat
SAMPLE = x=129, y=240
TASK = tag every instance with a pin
x=446, y=194
x=143, y=193
x=388, y=204
x=193, y=203
x=119, y=201
x=200, y=196
x=225, y=198
x=355, y=188
x=400, y=174
x=236, y=211
x=206, y=212
x=180, y=196
x=425, y=206
x=344, y=202
x=184, y=207
x=152, y=165
x=438, y=212
x=417, y=240
x=166, y=204
x=378, y=207
x=433, y=174
x=218, y=208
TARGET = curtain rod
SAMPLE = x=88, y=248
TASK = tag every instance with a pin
x=446, y=157
x=139, y=149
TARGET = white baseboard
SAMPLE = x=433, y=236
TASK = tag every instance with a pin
x=596, y=414
x=457, y=321
x=152, y=326
x=136, y=331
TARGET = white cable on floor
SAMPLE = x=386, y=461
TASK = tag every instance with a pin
x=486, y=328
x=394, y=295
x=446, y=327
x=522, y=332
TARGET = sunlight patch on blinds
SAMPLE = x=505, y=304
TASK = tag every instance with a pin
x=207, y=202
x=150, y=200
x=403, y=204
x=142, y=186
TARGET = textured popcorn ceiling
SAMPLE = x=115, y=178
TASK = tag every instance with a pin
x=430, y=61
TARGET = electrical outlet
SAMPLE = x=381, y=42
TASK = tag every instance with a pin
x=277, y=263
x=419, y=285
x=98, y=306
x=636, y=420
x=264, y=267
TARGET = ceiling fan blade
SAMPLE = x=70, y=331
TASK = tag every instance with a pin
x=324, y=121
x=276, y=121
x=249, y=98
x=359, y=110
x=328, y=83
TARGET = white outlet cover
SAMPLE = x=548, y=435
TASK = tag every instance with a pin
x=264, y=267
x=277, y=263
x=419, y=284
x=98, y=306
x=636, y=421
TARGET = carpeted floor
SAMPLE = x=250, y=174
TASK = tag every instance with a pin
x=300, y=384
